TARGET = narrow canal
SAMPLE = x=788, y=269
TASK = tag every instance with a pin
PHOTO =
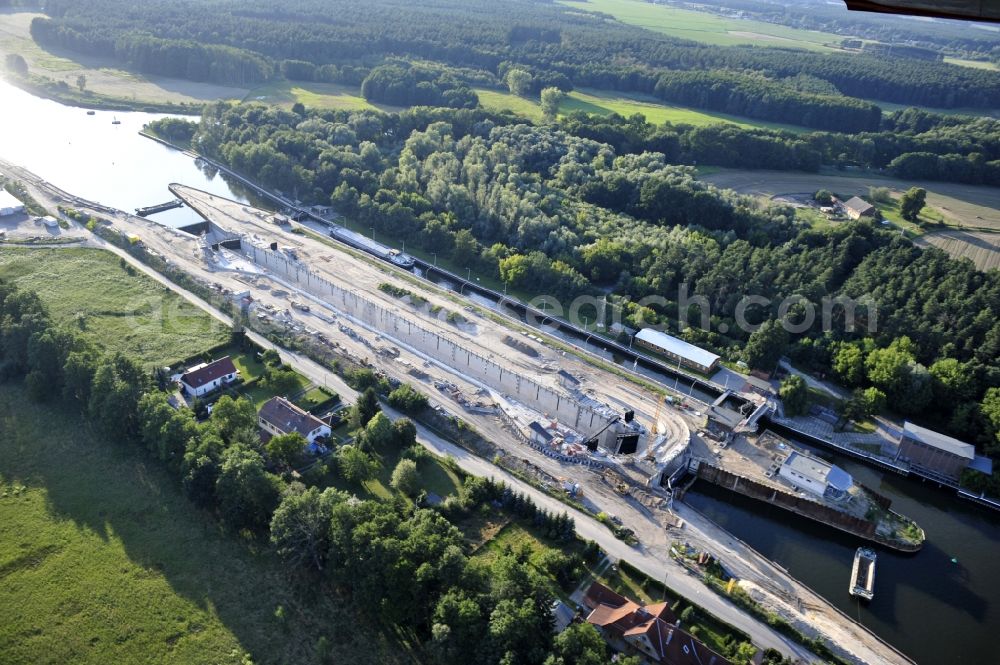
x=937, y=611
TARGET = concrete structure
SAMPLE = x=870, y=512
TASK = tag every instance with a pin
x=279, y=416
x=568, y=381
x=678, y=350
x=539, y=434
x=815, y=475
x=856, y=208
x=934, y=452
x=9, y=204
x=417, y=337
x=203, y=379
x=649, y=631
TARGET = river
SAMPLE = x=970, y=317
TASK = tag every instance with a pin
x=90, y=157
x=936, y=611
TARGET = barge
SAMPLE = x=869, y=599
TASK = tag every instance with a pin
x=863, y=574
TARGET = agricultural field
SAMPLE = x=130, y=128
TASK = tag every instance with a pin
x=314, y=95
x=114, y=307
x=981, y=248
x=104, y=76
x=103, y=560
x=975, y=64
x=706, y=27
x=605, y=103
x=970, y=207
x=889, y=107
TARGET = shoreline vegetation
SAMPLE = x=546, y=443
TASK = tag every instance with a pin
x=51, y=89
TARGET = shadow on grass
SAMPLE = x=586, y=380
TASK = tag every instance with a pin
x=120, y=495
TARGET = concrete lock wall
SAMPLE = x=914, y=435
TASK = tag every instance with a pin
x=409, y=334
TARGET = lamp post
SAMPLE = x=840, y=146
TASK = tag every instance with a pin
x=373, y=234
x=435, y=258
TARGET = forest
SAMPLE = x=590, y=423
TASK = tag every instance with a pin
x=544, y=38
x=533, y=205
x=394, y=562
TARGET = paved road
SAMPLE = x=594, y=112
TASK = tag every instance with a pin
x=645, y=559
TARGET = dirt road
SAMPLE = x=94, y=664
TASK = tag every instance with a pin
x=778, y=590
x=966, y=205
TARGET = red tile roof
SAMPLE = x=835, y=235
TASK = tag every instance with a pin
x=655, y=624
x=210, y=372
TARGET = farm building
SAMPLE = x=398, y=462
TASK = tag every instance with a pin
x=815, y=475
x=9, y=204
x=856, y=208
x=203, y=379
x=279, y=416
x=936, y=453
x=676, y=349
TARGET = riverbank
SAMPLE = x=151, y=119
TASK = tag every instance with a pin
x=59, y=91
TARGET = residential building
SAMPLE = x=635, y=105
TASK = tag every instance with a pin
x=856, y=208
x=934, y=452
x=279, y=416
x=203, y=379
x=677, y=350
x=9, y=204
x=650, y=631
x=815, y=475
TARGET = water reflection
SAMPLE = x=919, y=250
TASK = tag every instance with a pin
x=89, y=156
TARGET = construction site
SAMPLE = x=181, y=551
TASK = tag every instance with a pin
x=570, y=422
x=421, y=334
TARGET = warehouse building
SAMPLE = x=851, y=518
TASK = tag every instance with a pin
x=677, y=350
x=936, y=453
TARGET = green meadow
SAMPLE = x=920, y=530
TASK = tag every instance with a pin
x=706, y=27
x=114, y=307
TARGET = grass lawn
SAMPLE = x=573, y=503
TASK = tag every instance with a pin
x=103, y=560
x=314, y=95
x=247, y=362
x=927, y=216
x=106, y=80
x=312, y=397
x=889, y=107
x=603, y=103
x=110, y=307
x=518, y=538
x=708, y=28
x=435, y=476
x=813, y=218
x=975, y=64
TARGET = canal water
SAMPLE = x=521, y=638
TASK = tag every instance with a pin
x=936, y=611
x=90, y=157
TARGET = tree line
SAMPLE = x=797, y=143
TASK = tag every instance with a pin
x=759, y=97
x=589, y=50
x=399, y=564
x=402, y=84
x=535, y=205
